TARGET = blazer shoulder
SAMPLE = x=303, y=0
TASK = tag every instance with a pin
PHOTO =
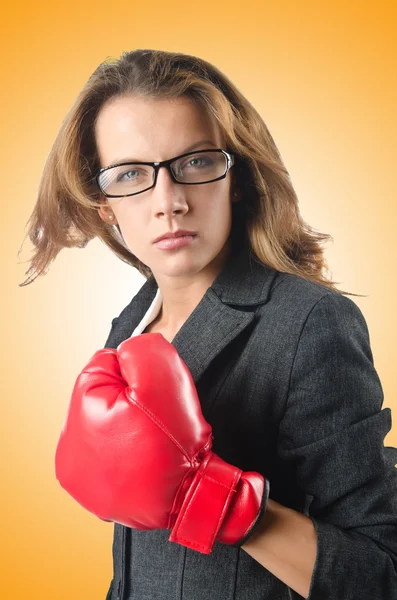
x=294, y=299
x=300, y=290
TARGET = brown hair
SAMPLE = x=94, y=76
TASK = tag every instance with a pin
x=267, y=216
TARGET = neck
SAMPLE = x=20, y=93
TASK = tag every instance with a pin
x=182, y=295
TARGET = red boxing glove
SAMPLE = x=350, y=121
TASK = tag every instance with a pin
x=136, y=449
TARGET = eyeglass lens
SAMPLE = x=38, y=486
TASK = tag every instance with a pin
x=200, y=167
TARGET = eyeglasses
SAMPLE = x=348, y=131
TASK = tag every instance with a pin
x=192, y=168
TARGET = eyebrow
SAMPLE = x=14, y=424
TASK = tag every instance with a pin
x=116, y=161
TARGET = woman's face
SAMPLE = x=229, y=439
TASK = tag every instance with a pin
x=142, y=129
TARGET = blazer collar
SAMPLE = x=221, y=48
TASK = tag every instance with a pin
x=244, y=281
x=217, y=319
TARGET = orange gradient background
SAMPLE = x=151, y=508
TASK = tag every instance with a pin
x=323, y=77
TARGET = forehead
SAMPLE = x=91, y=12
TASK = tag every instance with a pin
x=151, y=129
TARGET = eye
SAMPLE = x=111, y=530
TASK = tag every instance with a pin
x=197, y=162
x=126, y=175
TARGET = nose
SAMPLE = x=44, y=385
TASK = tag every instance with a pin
x=168, y=197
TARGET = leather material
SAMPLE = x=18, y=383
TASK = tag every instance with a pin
x=135, y=449
x=230, y=499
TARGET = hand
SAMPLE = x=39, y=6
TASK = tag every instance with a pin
x=136, y=449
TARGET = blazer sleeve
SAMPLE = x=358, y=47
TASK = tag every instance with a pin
x=333, y=430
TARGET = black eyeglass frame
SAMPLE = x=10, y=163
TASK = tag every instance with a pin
x=166, y=163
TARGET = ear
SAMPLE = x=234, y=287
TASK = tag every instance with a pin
x=236, y=196
x=235, y=191
x=106, y=214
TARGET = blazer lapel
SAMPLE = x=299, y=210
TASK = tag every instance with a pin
x=225, y=310
x=209, y=328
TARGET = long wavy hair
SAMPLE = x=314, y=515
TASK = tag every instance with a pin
x=267, y=216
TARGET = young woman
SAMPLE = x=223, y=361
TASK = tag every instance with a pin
x=238, y=448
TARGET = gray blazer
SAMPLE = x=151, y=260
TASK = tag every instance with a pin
x=285, y=376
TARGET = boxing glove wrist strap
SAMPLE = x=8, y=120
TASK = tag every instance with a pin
x=205, y=504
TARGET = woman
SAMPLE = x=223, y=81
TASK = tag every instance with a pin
x=163, y=145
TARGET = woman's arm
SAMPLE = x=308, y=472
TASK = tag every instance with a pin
x=285, y=543
x=332, y=433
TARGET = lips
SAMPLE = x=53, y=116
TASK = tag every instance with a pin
x=175, y=234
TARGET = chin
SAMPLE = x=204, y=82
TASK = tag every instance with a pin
x=180, y=265
x=182, y=270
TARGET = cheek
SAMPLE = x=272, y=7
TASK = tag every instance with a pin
x=219, y=211
x=215, y=203
x=130, y=218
